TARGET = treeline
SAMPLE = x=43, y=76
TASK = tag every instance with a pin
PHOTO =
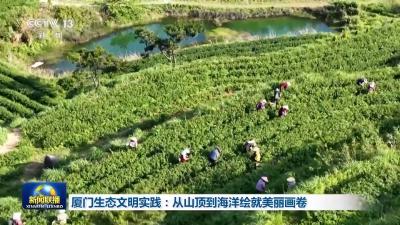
x=12, y=18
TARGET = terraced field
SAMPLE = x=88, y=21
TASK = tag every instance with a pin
x=23, y=96
x=337, y=137
x=334, y=139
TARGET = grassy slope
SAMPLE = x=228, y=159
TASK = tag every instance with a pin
x=3, y=135
x=326, y=160
x=22, y=95
x=214, y=104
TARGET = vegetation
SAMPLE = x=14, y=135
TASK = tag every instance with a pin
x=23, y=96
x=175, y=34
x=125, y=12
x=96, y=62
x=12, y=16
x=3, y=135
x=336, y=138
x=236, y=49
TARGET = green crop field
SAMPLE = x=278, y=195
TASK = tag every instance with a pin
x=336, y=138
x=23, y=96
x=3, y=135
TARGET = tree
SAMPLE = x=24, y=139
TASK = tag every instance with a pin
x=148, y=38
x=96, y=62
x=168, y=46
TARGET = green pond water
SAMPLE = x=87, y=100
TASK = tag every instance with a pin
x=123, y=43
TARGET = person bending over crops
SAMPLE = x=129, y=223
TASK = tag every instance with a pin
x=283, y=111
x=362, y=81
x=284, y=85
x=371, y=87
x=248, y=145
x=185, y=155
x=16, y=219
x=261, y=185
x=276, y=98
x=277, y=95
x=261, y=105
x=133, y=142
x=253, y=150
x=214, y=155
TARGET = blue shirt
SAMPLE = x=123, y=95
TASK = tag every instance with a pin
x=214, y=155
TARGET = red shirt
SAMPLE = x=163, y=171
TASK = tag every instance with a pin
x=283, y=112
x=183, y=158
x=283, y=86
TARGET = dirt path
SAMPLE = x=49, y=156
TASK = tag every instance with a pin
x=13, y=139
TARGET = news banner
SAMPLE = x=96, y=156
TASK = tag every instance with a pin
x=53, y=195
x=214, y=202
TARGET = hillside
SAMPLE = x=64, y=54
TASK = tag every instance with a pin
x=23, y=96
x=337, y=138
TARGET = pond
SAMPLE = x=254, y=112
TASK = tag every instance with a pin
x=124, y=44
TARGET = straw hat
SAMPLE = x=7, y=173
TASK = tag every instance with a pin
x=291, y=180
x=264, y=178
x=285, y=107
x=16, y=216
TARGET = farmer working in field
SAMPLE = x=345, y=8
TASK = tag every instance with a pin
x=261, y=105
x=371, y=87
x=214, y=155
x=276, y=98
x=283, y=111
x=16, y=219
x=362, y=81
x=253, y=150
x=133, y=142
x=284, y=85
x=62, y=218
x=185, y=155
x=262, y=184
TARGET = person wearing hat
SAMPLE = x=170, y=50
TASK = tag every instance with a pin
x=291, y=182
x=133, y=142
x=262, y=184
x=185, y=155
x=261, y=105
x=284, y=85
x=283, y=111
x=16, y=219
x=253, y=150
x=248, y=145
x=62, y=218
x=371, y=87
x=214, y=155
x=362, y=81
x=277, y=96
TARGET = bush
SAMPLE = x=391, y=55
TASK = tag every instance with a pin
x=84, y=18
x=123, y=12
x=3, y=135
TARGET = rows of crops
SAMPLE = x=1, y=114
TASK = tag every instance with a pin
x=252, y=48
x=333, y=140
x=342, y=128
x=3, y=135
x=88, y=118
x=23, y=96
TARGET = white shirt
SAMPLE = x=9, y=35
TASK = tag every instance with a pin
x=185, y=152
